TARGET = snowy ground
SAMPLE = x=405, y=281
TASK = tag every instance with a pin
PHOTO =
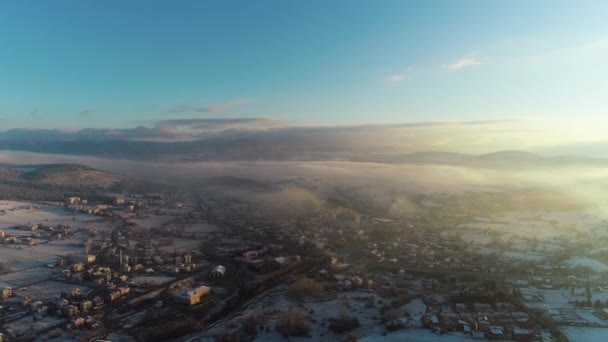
x=27, y=325
x=201, y=227
x=150, y=220
x=21, y=257
x=270, y=307
x=157, y=280
x=19, y=213
x=181, y=245
x=537, y=224
x=48, y=290
x=25, y=277
x=418, y=335
x=586, y=334
x=595, y=265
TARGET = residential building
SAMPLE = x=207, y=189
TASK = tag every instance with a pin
x=7, y=292
x=218, y=271
x=72, y=200
x=192, y=296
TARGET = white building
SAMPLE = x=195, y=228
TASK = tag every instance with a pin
x=7, y=292
x=192, y=296
x=218, y=271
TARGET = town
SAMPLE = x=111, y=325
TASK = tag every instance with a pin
x=197, y=265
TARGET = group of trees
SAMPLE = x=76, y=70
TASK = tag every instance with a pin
x=295, y=322
x=306, y=288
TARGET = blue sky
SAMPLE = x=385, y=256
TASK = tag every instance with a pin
x=76, y=64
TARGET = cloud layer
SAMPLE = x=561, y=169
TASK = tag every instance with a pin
x=464, y=62
x=215, y=109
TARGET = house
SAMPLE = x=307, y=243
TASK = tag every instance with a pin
x=76, y=292
x=114, y=296
x=124, y=290
x=70, y=311
x=86, y=305
x=356, y=281
x=39, y=308
x=78, y=323
x=496, y=333
x=192, y=296
x=72, y=200
x=218, y=271
x=478, y=335
x=250, y=255
x=7, y=292
x=27, y=241
x=97, y=301
x=520, y=334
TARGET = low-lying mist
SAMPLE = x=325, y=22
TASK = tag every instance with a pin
x=304, y=186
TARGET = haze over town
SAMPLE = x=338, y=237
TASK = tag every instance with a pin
x=326, y=171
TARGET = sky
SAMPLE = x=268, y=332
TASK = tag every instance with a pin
x=117, y=64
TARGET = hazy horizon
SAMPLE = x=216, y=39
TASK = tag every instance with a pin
x=531, y=79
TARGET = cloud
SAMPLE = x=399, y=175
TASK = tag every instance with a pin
x=216, y=109
x=599, y=44
x=396, y=78
x=163, y=130
x=218, y=124
x=464, y=62
x=271, y=138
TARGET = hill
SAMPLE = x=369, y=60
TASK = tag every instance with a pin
x=71, y=175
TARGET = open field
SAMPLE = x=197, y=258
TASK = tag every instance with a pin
x=586, y=334
x=20, y=257
x=49, y=289
x=181, y=245
x=536, y=224
x=25, y=277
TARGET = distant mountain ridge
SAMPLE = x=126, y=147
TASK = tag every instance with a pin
x=277, y=148
x=60, y=174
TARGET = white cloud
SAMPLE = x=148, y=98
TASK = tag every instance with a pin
x=464, y=62
x=396, y=78
x=599, y=44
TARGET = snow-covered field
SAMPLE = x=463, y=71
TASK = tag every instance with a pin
x=25, y=277
x=418, y=335
x=576, y=334
x=201, y=227
x=27, y=326
x=181, y=245
x=20, y=257
x=20, y=213
x=48, y=290
x=542, y=225
x=150, y=220
x=157, y=280
x=272, y=306
x=595, y=265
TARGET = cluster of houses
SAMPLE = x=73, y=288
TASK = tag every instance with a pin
x=257, y=258
x=482, y=321
x=38, y=231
